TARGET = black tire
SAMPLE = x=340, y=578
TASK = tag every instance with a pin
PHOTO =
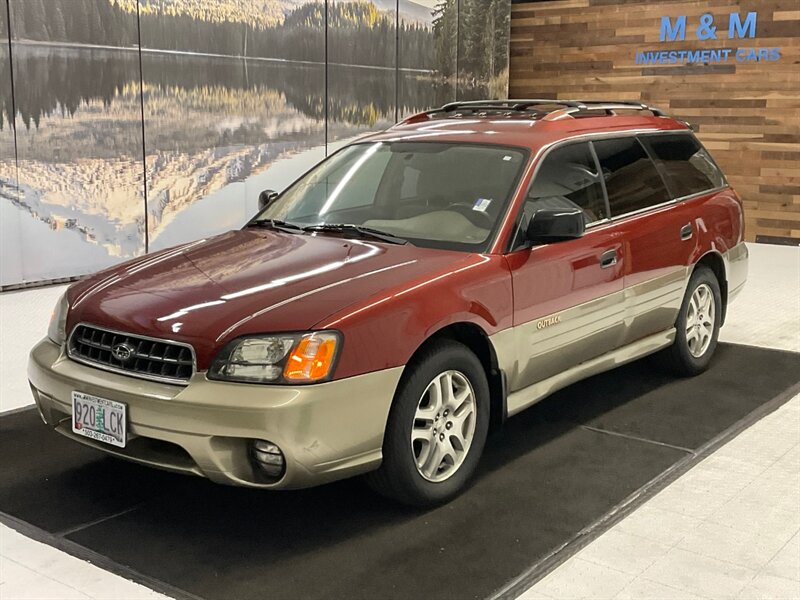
x=678, y=358
x=398, y=477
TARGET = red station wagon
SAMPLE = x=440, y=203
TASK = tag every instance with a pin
x=402, y=297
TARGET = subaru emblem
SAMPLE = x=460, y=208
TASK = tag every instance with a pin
x=122, y=352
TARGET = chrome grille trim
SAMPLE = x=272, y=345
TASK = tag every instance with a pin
x=152, y=358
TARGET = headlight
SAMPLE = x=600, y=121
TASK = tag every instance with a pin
x=57, y=331
x=279, y=358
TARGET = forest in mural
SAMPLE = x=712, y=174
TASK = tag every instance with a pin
x=285, y=29
x=139, y=124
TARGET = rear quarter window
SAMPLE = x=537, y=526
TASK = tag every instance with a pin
x=687, y=167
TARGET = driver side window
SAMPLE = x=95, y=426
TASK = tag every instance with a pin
x=567, y=178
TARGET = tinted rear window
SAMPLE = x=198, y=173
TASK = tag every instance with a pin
x=686, y=165
x=632, y=180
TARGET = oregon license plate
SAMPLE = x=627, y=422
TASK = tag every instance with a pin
x=98, y=418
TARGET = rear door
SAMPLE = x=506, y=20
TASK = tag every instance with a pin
x=568, y=304
x=657, y=231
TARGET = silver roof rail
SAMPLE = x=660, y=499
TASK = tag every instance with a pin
x=564, y=108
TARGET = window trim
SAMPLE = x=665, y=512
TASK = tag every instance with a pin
x=557, y=146
x=599, y=170
x=653, y=160
x=603, y=135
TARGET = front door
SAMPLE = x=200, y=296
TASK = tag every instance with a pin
x=568, y=296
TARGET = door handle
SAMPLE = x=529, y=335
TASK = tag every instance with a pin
x=686, y=232
x=608, y=259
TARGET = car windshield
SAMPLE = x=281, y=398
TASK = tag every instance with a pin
x=431, y=194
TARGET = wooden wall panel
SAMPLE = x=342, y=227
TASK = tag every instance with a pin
x=746, y=113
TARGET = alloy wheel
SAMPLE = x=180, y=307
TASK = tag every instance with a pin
x=444, y=426
x=700, y=320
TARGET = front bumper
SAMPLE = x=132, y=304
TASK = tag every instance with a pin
x=326, y=431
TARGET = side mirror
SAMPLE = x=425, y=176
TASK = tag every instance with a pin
x=555, y=225
x=266, y=198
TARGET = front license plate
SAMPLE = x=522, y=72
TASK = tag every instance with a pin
x=98, y=418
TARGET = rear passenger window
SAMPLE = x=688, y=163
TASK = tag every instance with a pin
x=632, y=180
x=686, y=165
x=568, y=178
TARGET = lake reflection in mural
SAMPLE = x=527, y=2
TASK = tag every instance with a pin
x=211, y=126
x=80, y=175
x=11, y=263
x=233, y=96
x=80, y=199
x=427, y=60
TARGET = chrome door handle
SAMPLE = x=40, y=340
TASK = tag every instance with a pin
x=686, y=232
x=608, y=259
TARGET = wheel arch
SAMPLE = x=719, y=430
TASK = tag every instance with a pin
x=477, y=340
x=714, y=261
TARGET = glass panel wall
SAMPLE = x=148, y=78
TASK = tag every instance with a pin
x=427, y=54
x=140, y=124
x=79, y=136
x=233, y=104
x=10, y=246
x=483, y=36
x=362, y=75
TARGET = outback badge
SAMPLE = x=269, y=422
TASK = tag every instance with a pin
x=542, y=323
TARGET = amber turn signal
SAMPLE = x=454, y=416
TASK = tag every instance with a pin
x=312, y=359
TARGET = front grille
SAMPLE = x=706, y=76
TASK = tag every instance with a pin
x=147, y=357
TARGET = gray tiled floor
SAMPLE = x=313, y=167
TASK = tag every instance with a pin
x=730, y=527
x=711, y=534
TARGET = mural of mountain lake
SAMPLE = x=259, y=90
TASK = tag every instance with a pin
x=216, y=132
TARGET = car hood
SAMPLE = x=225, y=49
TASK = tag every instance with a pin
x=249, y=281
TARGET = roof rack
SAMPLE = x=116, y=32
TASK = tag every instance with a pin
x=610, y=107
x=567, y=108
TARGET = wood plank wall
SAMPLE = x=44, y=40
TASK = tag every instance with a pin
x=746, y=113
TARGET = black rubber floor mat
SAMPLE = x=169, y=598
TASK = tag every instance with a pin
x=551, y=472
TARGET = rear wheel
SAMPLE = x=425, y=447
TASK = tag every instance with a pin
x=437, y=427
x=697, y=327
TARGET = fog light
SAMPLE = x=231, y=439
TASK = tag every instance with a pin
x=268, y=457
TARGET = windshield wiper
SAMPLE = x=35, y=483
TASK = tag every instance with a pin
x=276, y=224
x=367, y=232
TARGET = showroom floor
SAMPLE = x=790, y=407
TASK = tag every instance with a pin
x=727, y=528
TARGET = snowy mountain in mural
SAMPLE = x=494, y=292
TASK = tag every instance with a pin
x=233, y=98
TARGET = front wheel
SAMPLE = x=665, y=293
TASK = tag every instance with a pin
x=437, y=427
x=697, y=326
